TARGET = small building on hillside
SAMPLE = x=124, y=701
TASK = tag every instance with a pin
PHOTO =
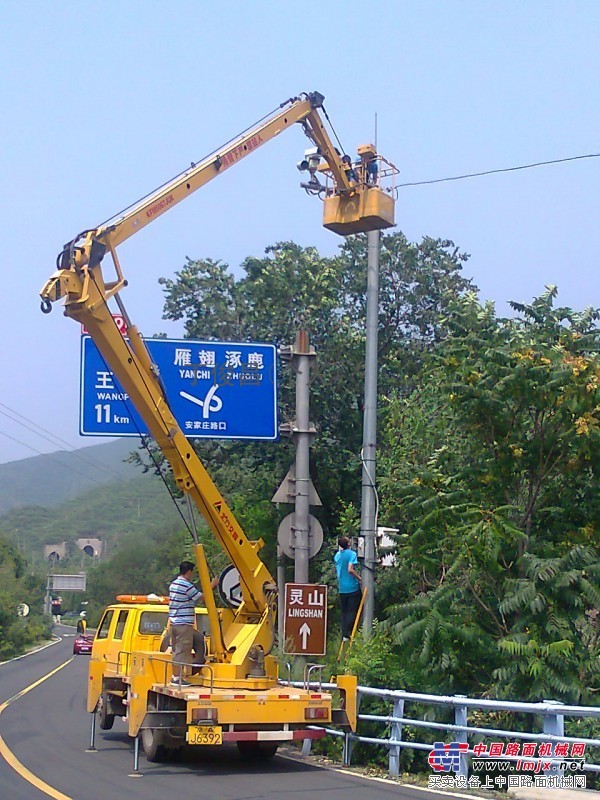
x=60, y=550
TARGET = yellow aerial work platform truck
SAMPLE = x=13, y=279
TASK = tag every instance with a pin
x=236, y=695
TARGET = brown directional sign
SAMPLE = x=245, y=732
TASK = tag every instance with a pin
x=305, y=624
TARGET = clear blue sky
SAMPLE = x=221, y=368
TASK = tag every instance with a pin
x=101, y=102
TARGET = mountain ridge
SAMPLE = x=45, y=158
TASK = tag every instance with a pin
x=51, y=479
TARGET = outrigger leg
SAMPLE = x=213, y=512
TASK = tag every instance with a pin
x=136, y=759
x=92, y=747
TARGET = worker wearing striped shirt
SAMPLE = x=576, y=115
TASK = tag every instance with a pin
x=183, y=598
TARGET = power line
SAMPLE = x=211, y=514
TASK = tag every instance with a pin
x=55, y=440
x=497, y=171
x=50, y=456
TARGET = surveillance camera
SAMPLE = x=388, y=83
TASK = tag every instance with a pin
x=302, y=165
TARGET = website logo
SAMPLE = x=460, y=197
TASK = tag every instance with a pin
x=446, y=757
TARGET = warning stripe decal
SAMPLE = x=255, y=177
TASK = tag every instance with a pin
x=272, y=736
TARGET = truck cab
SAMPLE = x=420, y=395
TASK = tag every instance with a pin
x=135, y=623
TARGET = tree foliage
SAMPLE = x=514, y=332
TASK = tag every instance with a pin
x=488, y=459
x=141, y=564
x=293, y=287
x=16, y=587
x=490, y=470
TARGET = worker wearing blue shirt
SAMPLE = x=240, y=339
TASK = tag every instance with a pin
x=183, y=598
x=349, y=585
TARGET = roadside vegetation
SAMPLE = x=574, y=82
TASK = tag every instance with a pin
x=487, y=464
x=17, y=633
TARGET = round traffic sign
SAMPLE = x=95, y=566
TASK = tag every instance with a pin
x=286, y=535
x=230, y=587
x=22, y=609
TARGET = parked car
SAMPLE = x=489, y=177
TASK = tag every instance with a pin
x=82, y=644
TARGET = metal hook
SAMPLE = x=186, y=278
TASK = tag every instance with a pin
x=46, y=306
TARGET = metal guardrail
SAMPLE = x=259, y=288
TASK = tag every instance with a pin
x=552, y=712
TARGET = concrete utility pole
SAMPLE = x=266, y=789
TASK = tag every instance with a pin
x=299, y=533
x=302, y=358
x=280, y=595
x=368, y=513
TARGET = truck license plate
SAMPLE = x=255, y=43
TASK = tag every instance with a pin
x=205, y=734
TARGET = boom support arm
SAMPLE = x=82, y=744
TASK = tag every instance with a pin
x=86, y=302
x=80, y=281
x=298, y=109
x=350, y=206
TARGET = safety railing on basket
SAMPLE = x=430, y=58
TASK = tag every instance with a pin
x=167, y=661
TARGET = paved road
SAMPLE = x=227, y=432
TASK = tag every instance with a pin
x=14, y=677
x=47, y=730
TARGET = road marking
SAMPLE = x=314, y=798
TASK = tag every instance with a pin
x=390, y=782
x=13, y=761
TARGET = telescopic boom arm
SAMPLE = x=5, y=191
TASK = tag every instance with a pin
x=302, y=109
x=352, y=203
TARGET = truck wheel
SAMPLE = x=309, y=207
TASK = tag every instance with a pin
x=105, y=720
x=259, y=751
x=154, y=746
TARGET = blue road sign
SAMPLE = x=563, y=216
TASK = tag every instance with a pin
x=224, y=390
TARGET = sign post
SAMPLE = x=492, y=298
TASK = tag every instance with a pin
x=305, y=625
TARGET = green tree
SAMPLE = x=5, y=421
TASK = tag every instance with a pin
x=498, y=574
x=292, y=287
x=141, y=564
x=17, y=633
